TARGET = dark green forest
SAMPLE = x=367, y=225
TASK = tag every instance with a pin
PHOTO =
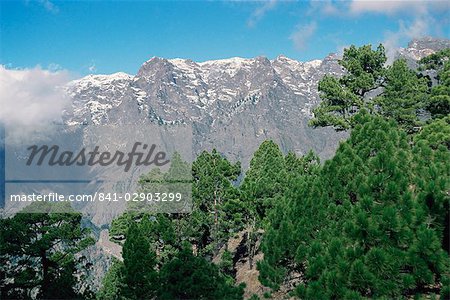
x=371, y=222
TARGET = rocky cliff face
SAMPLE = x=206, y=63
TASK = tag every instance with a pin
x=233, y=104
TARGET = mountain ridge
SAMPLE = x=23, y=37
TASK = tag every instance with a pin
x=255, y=98
x=232, y=105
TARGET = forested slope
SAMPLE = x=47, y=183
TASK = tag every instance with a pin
x=371, y=222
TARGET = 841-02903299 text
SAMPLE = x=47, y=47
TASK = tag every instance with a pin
x=99, y=196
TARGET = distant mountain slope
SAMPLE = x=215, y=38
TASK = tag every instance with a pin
x=232, y=104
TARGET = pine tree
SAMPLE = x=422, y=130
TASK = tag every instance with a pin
x=435, y=133
x=265, y=180
x=191, y=277
x=439, y=100
x=38, y=252
x=395, y=92
x=139, y=274
x=438, y=103
x=343, y=97
x=112, y=283
x=370, y=224
x=217, y=209
x=404, y=95
x=432, y=176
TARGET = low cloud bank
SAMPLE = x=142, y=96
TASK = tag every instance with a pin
x=32, y=96
x=30, y=99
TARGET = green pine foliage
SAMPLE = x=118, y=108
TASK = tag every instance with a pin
x=181, y=275
x=436, y=133
x=370, y=224
x=285, y=225
x=343, y=97
x=394, y=92
x=179, y=247
x=435, y=61
x=139, y=274
x=432, y=181
x=404, y=95
x=112, y=283
x=264, y=182
x=439, y=101
x=217, y=210
x=40, y=253
x=190, y=277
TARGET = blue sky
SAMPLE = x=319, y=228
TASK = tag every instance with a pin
x=110, y=36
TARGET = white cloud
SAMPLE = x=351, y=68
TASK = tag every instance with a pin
x=31, y=96
x=48, y=5
x=324, y=7
x=407, y=31
x=261, y=11
x=386, y=6
x=330, y=9
x=419, y=24
x=302, y=35
x=415, y=18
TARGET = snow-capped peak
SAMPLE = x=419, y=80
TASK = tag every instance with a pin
x=229, y=65
x=183, y=64
x=314, y=63
x=101, y=79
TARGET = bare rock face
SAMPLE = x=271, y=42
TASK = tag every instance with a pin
x=233, y=104
x=420, y=48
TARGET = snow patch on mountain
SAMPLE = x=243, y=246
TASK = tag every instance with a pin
x=94, y=95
